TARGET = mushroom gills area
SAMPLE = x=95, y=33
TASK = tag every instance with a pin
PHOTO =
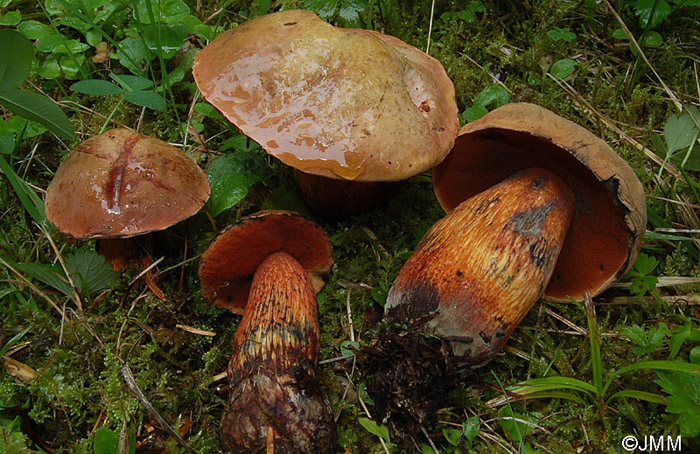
x=228, y=264
x=271, y=373
x=478, y=271
x=596, y=245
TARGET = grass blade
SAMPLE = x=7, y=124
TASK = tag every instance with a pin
x=641, y=395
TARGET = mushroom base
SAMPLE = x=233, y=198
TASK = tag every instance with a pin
x=410, y=376
x=337, y=199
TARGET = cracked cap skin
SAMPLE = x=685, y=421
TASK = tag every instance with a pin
x=121, y=184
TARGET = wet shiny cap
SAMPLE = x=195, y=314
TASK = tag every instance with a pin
x=228, y=264
x=341, y=103
x=121, y=184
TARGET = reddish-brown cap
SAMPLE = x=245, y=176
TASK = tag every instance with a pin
x=120, y=184
x=342, y=103
x=230, y=261
x=607, y=228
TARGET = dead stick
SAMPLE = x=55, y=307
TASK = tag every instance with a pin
x=131, y=383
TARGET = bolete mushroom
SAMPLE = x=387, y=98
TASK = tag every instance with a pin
x=344, y=104
x=566, y=218
x=275, y=399
x=228, y=264
x=275, y=404
x=120, y=184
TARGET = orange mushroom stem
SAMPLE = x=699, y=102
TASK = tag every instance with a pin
x=478, y=271
x=275, y=399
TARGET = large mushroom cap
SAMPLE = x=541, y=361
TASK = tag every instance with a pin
x=227, y=266
x=120, y=184
x=607, y=228
x=341, y=103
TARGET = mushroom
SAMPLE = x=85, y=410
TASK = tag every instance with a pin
x=350, y=105
x=120, y=184
x=567, y=219
x=610, y=210
x=227, y=266
x=275, y=399
x=275, y=404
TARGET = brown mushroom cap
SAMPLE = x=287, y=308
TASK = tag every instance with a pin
x=607, y=228
x=229, y=263
x=341, y=103
x=120, y=184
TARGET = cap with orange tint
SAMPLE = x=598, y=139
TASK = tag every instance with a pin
x=340, y=103
x=230, y=261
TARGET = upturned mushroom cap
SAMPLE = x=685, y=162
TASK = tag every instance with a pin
x=122, y=183
x=341, y=103
x=228, y=264
x=275, y=395
x=607, y=228
x=477, y=272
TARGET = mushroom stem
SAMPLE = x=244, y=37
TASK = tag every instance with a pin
x=478, y=271
x=336, y=199
x=272, y=372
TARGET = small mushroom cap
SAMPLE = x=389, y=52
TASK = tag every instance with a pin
x=341, y=103
x=607, y=228
x=227, y=266
x=122, y=183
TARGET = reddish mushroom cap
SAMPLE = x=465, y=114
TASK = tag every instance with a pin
x=341, y=103
x=120, y=184
x=230, y=261
x=607, y=228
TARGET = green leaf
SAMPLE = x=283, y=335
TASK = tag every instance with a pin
x=561, y=69
x=36, y=107
x=32, y=29
x=165, y=40
x=683, y=399
x=11, y=18
x=679, y=131
x=549, y=383
x=106, y=442
x=132, y=83
x=290, y=199
x=678, y=337
x=146, y=99
x=492, y=96
x=7, y=145
x=641, y=395
x=695, y=355
x=231, y=176
x=651, y=39
x=651, y=12
x=350, y=11
x=324, y=8
x=515, y=430
x=452, y=435
x=473, y=113
x=96, y=87
x=132, y=53
x=470, y=429
x=90, y=272
x=51, y=275
x=620, y=33
x=29, y=199
x=372, y=427
x=16, y=55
